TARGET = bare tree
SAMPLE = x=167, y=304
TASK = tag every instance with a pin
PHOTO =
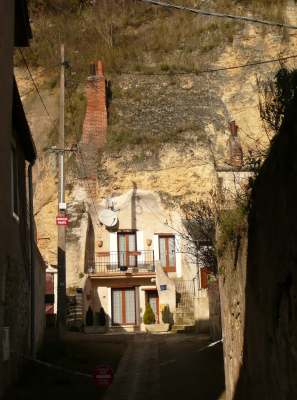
x=199, y=234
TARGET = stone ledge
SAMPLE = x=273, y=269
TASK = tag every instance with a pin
x=95, y=329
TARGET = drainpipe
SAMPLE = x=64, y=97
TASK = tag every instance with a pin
x=32, y=243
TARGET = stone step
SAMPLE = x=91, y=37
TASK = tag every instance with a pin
x=185, y=321
x=183, y=329
x=185, y=313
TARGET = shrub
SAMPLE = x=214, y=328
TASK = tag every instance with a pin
x=166, y=315
x=102, y=317
x=149, y=316
x=89, y=317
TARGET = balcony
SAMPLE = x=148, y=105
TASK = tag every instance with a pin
x=122, y=262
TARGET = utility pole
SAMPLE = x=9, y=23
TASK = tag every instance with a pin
x=61, y=211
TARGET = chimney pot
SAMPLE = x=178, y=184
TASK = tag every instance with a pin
x=92, y=69
x=100, y=68
x=233, y=128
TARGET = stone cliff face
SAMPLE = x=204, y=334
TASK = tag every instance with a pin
x=185, y=119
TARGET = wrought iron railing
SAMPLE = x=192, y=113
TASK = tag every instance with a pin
x=184, y=293
x=115, y=262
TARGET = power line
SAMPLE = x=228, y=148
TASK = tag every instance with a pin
x=202, y=71
x=239, y=17
x=39, y=73
x=39, y=94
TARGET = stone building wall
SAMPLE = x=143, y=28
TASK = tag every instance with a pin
x=259, y=285
x=232, y=283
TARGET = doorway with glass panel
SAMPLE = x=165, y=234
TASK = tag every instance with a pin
x=127, y=244
x=153, y=299
x=167, y=253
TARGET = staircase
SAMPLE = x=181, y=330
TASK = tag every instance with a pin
x=74, y=313
x=184, y=321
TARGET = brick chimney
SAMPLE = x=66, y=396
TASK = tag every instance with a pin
x=94, y=127
x=235, y=146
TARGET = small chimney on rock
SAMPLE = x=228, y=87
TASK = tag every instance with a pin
x=92, y=69
x=235, y=146
x=100, y=68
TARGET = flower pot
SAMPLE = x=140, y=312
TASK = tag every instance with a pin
x=95, y=329
x=123, y=268
x=154, y=328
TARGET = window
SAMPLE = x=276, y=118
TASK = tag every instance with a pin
x=127, y=244
x=167, y=253
x=14, y=182
x=123, y=306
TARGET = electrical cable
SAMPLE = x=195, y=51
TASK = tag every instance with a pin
x=239, y=17
x=39, y=73
x=57, y=130
x=199, y=72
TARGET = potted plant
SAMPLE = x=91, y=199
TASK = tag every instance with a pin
x=148, y=317
x=89, y=317
x=166, y=317
x=102, y=317
x=151, y=326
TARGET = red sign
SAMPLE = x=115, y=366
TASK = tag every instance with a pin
x=62, y=221
x=103, y=376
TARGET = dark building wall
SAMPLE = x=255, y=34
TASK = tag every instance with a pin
x=14, y=238
x=259, y=288
x=6, y=90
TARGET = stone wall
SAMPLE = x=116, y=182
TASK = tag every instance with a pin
x=232, y=284
x=215, y=324
x=258, y=288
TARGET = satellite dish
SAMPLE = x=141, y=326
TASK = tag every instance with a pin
x=108, y=218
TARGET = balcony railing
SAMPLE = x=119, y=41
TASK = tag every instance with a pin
x=116, y=262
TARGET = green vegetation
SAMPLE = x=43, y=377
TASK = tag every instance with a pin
x=166, y=315
x=148, y=316
x=120, y=139
x=128, y=36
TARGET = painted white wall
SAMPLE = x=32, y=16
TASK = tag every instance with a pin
x=178, y=256
x=113, y=241
x=139, y=244
x=156, y=247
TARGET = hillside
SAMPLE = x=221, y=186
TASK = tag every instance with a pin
x=168, y=121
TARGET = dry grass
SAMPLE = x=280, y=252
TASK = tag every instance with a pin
x=129, y=35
